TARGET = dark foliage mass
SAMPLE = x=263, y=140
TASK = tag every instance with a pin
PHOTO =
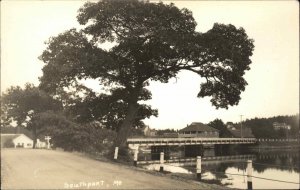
x=70, y=136
x=218, y=124
x=22, y=104
x=263, y=127
x=42, y=114
x=9, y=144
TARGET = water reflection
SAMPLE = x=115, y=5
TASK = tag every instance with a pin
x=229, y=168
x=276, y=165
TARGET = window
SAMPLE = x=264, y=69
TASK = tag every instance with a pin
x=28, y=144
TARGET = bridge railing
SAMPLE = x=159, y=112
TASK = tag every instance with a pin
x=277, y=140
x=189, y=140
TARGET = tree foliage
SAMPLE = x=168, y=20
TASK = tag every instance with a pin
x=218, y=124
x=22, y=104
x=263, y=127
x=4, y=118
x=71, y=136
x=164, y=131
x=110, y=110
x=153, y=41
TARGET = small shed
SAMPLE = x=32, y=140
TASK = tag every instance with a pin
x=40, y=144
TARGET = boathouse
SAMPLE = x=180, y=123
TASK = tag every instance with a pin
x=198, y=129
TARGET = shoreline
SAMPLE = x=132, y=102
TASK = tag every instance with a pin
x=174, y=176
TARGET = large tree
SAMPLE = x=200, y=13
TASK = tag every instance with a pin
x=23, y=104
x=151, y=41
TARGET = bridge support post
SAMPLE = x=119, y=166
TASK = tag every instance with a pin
x=161, y=168
x=135, y=158
x=249, y=174
x=116, y=153
x=198, y=168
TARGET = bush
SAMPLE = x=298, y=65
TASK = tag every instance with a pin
x=70, y=136
x=9, y=144
x=83, y=138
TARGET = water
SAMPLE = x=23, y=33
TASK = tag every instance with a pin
x=281, y=165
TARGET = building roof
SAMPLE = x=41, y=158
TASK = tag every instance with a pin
x=198, y=126
x=16, y=131
x=6, y=137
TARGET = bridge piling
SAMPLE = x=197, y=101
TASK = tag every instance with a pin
x=249, y=174
x=135, y=158
x=198, y=168
x=161, y=168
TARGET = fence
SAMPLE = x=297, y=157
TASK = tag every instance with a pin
x=277, y=140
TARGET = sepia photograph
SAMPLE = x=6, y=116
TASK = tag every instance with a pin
x=149, y=94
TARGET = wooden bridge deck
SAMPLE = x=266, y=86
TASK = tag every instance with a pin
x=188, y=141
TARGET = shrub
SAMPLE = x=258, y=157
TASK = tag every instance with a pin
x=9, y=144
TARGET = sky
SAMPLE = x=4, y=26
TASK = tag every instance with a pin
x=273, y=80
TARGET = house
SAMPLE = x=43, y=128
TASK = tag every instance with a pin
x=8, y=133
x=149, y=132
x=16, y=141
x=230, y=126
x=278, y=126
x=198, y=129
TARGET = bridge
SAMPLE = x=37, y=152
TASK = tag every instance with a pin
x=187, y=141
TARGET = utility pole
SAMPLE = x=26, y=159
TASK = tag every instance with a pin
x=47, y=138
x=241, y=126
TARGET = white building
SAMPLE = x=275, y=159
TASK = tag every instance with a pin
x=278, y=126
x=149, y=132
x=16, y=140
x=40, y=144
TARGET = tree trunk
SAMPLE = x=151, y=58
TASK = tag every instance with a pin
x=126, y=126
x=34, y=137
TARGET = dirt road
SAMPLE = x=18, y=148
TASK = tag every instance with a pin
x=48, y=169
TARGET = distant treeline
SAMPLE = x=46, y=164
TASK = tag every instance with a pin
x=263, y=127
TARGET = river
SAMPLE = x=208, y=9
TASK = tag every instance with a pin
x=272, y=169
